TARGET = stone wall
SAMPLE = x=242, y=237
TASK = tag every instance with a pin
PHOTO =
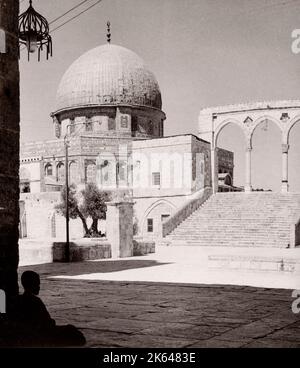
x=80, y=250
x=142, y=247
x=83, y=152
x=145, y=208
x=225, y=161
x=31, y=174
x=83, y=250
x=42, y=221
x=183, y=157
x=201, y=174
x=9, y=147
x=175, y=159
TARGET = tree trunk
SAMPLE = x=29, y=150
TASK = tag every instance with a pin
x=83, y=220
x=94, y=227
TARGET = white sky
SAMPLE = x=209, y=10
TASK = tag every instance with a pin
x=203, y=53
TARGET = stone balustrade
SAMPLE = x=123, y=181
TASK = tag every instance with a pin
x=186, y=210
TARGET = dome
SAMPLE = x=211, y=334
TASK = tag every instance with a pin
x=108, y=75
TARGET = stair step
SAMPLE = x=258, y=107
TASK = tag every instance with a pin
x=240, y=219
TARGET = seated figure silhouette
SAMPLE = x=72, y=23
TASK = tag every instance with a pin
x=37, y=328
x=31, y=310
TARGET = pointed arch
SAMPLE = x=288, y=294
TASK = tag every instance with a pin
x=60, y=172
x=223, y=124
x=290, y=126
x=266, y=155
x=155, y=205
x=261, y=120
x=48, y=169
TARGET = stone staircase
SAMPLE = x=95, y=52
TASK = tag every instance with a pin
x=257, y=219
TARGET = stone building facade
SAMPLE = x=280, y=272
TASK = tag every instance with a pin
x=9, y=145
x=109, y=113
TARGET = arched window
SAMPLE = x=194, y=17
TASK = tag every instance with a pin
x=72, y=126
x=90, y=172
x=48, y=170
x=73, y=172
x=60, y=172
x=88, y=125
x=228, y=180
x=150, y=127
x=121, y=171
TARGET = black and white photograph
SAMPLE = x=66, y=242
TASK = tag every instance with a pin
x=149, y=177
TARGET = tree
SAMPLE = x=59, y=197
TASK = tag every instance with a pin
x=94, y=206
x=74, y=207
x=90, y=202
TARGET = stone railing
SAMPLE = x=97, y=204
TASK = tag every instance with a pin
x=186, y=210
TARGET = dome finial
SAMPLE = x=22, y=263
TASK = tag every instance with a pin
x=108, y=35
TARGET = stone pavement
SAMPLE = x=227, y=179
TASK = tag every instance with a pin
x=262, y=267
x=165, y=315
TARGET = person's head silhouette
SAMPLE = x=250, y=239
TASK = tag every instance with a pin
x=31, y=282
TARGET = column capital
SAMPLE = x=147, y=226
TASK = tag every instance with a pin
x=285, y=148
x=248, y=148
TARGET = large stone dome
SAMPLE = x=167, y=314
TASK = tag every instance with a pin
x=108, y=75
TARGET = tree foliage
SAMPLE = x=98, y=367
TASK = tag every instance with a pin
x=73, y=202
x=89, y=203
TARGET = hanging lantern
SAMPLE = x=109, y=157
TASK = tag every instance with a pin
x=34, y=32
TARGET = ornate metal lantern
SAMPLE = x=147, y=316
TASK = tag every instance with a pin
x=34, y=32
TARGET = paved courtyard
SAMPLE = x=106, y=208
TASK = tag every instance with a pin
x=163, y=314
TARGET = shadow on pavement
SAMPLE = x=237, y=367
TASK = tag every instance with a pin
x=88, y=267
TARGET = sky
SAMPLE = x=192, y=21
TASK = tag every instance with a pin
x=202, y=52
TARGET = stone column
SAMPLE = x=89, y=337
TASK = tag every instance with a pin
x=214, y=169
x=284, y=181
x=9, y=147
x=42, y=175
x=248, y=185
x=119, y=228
